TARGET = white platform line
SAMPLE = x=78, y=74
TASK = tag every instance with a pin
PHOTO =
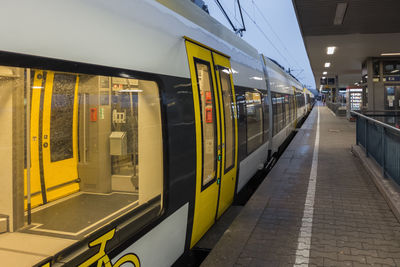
x=333, y=113
x=304, y=239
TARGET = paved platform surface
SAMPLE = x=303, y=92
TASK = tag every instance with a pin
x=317, y=207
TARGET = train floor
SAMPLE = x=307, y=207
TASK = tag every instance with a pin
x=318, y=206
x=87, y=210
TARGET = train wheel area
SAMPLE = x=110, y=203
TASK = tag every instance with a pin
x=313, y=208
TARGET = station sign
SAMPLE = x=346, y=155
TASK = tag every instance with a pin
x=393, y=78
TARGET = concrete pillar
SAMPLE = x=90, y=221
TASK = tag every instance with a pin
x=370, y=83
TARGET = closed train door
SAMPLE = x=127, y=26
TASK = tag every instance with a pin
x=53, y=136
x=228, y=120
x=216, y=136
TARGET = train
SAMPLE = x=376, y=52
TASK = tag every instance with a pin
x=128, y=128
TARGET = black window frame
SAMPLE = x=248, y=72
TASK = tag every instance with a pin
x=207, y=63
x=220, y=69
x=254, y=91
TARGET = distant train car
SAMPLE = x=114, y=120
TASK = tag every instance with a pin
x=310, y=99
x=124, y=137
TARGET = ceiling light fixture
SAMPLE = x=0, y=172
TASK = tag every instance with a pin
x=391, y=54
x=340, y=12
x=330, y=50
x=325, y=73
x=327, y=64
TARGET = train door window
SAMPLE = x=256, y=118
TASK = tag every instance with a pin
x=229, y=118
x=61, y=121
x=254, y=121
x=119, y=143
x=207, y=105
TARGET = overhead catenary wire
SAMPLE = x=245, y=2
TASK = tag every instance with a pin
x=265, y=36
x=277, y=36
x=286, y=55
x=236, y=30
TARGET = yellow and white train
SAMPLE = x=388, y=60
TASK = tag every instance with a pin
x=128, y=128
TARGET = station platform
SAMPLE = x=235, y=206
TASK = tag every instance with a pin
x=318, y=206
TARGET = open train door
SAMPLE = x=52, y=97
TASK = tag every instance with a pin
x=216, y=135
x=53, y=135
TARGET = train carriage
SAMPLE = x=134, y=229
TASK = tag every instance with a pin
x=124, y=138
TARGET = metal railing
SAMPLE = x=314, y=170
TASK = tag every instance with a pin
x=380, y=141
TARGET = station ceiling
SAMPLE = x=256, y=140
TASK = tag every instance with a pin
x=368, y=29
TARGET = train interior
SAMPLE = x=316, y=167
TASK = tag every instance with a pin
x=93, y=144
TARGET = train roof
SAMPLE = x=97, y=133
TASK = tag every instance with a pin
x=198, y=16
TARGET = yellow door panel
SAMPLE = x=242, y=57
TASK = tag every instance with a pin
x=59, y=134
x=208, y=151
x=37, y=85
x=53, y=169
x=229, y=145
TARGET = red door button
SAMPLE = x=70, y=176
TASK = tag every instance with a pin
x=209, y=115
x=93, y=114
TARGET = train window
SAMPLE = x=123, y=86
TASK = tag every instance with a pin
x=287, y=108
x=284, y=111
x=229, y=117
x=292, y=111
x=91, y=161
x=207, y=105
x=254, y=121
x=293, y=107
x=266, y=116
x=279, y=112
x=275, y=113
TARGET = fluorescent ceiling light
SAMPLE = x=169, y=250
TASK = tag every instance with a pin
x=325, y=73
x=394, y=71
x=391, y=54
x=324, y=77
x=327, y=64
x=330, y=50
x=340, y=12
